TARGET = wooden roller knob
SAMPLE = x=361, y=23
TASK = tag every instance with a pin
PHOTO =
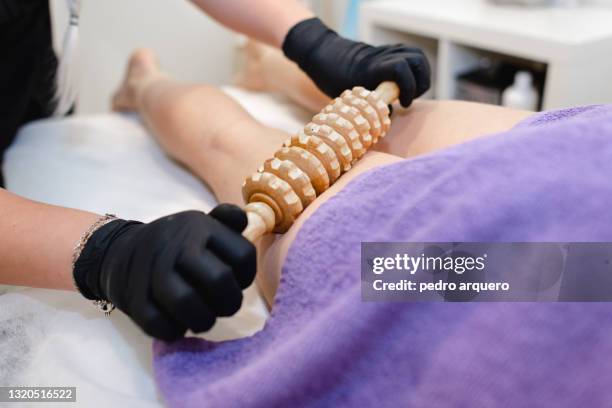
x=367, y=111
x=298, y=180
x=378, y=103
x=315, y=158
x=275, y=192
x=333, y=139
x=321, y=150
x=345, y=129
x=353, y=115
x=309, y=164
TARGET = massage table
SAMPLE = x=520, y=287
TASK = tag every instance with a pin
x=105, y=163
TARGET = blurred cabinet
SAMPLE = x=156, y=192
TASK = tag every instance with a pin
x=570, y=47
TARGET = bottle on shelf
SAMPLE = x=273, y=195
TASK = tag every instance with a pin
x=521, y=94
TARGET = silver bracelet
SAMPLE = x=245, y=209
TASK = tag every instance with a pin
x=104, y=305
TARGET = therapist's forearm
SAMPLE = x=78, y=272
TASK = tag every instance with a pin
x=37, y=242
x=265, y=20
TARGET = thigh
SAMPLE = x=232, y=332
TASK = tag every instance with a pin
x=272, y=249
x=428, y=126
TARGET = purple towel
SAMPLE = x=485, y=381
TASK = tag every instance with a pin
x=548, y=179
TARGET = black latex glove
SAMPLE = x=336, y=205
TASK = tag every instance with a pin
x=179, y=272
x=336, y=64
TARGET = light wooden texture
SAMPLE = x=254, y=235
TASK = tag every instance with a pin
x=315, y=158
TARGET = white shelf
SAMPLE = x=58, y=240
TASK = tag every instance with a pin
x=573, y=44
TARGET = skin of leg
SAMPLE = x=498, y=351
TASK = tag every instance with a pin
x=425, y=127
x=233, y=148
x=428, y=126
x=199, y=126
x=212, y=135
x=266, y=69
x=221, y=143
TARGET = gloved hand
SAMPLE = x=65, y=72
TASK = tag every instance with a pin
x=336, y=64
x=179, y=272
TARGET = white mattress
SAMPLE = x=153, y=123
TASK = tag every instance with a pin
x=104, y=163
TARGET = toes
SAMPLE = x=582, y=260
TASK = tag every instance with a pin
x=116, y=105
x=143, y=59
x=142, y=67
x=119, y=103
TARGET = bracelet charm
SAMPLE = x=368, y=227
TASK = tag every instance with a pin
x=103, y=305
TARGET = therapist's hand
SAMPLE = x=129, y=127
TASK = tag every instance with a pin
x=176, y=273
x=336, y=64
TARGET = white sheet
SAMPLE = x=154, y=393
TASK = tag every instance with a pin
x=104, y=163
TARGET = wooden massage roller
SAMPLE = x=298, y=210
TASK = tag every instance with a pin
x=311, y=161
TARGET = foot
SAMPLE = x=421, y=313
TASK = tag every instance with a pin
x=142, y=69
x=252, y=74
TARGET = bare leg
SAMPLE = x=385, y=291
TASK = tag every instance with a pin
x=219, y=141
x=266, y=69
x=428, y=126
x=198, y=125
x=425, y=127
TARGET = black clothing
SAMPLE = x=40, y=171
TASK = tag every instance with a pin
x=27, y=66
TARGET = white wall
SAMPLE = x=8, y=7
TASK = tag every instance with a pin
x=332, y=12
x=189, y=44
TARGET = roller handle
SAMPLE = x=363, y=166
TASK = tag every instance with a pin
x=388, y=91
x=260, y=222
x=262, y=218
